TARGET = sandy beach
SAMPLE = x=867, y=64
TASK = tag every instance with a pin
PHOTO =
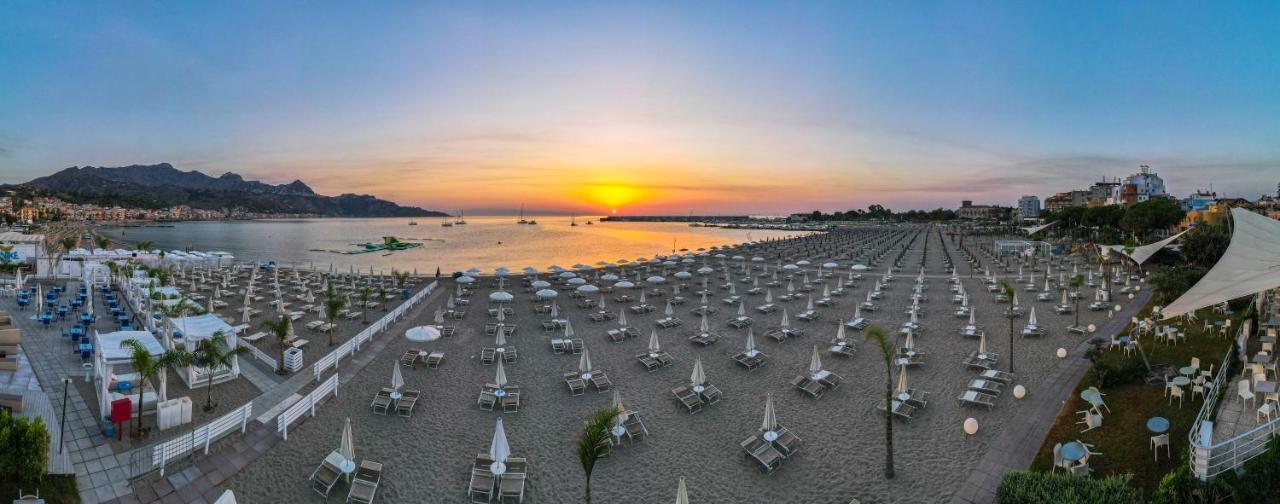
x=427, y=457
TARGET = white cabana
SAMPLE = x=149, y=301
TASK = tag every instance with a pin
x=110, y=354
x=1250, y=265
x=198, y=327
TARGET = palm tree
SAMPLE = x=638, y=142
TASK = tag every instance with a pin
x=149, y=367
x=1007, y=291
x=1077, y=282
x=280, y=329
x=593, y=442
x=365, y=292
x=101, y=242
x=877, y=335
x=145, y=246
x=382, y=297
x=333, y=305
x=212, y=354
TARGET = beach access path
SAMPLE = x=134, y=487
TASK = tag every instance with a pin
x=1017, y=445
x=200, y=481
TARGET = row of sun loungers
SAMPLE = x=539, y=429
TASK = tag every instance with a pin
x=578, y=386
x=488, y=354
x=382, y=402
x=750, y=361
x=771, y=454
x=622, y=333
x=364, y=485
x=431, y=359
x=653, y=361
x=694, y=400
x=487, y=487
x=510, y=400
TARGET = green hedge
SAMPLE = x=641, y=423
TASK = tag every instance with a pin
x=24, y=449
x=1027, y=487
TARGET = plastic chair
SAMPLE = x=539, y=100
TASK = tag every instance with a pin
x=1157, y=442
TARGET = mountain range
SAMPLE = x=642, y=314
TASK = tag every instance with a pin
x=163, y=186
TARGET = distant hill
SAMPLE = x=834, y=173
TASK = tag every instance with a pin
x=162, y=186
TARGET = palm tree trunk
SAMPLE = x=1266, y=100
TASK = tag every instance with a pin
x=137, y=422
x=208, y=398
x=587, y=498
x=888, y=422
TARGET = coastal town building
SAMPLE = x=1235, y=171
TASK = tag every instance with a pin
x=1064, y=200
x=1029, y=207
x=968, y=210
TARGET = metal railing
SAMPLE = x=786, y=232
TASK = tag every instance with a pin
x=1208, y=458
x=306, y=404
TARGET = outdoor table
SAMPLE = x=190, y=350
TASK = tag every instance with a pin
x=396, y=395
x=1265, y=387
x=618, y=431
x=76, y=331
x=499, y=392
x=771, y=436
x=86, y=318
x=822, y=373
x=1181, y=381
x=1158, y=425
x=699, y=388
x=497, y=468
x=587, y=376
x=1263, y=359
x=1088, y=395
x=1187, y=370
x=347, y=467
x=904, y=396
x=122, y=318
x=1073, y=451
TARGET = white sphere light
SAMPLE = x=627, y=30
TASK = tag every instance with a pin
x=1130, y=295
x=1062, y=353
x=1093, y=328
x=1019, y=392
x=1118, y=307
x=971, y=426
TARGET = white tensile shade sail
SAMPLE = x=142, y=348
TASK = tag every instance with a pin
x=1250, y=265
x=1036, y=229
x=1141, y=254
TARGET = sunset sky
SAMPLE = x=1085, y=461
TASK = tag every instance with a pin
x=650, y=107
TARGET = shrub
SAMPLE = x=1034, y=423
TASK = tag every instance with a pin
x=1019, y=487
x=1258, y=481
x=26, y=449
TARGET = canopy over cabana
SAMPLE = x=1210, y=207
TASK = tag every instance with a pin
x=1141, y=254
x=1036, y=229
x=1250, y=265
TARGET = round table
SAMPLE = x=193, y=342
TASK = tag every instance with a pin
x=699, y=388
x=771, y=436
x=499, y=393
x=1187, y=371
x=396, y=395
x=1089, y=395
x=911, y=353
x=497, y=468
x=618, y=430
x=903, y=362
x=983, y=356
x=1158, y=425
x=1181, y=381
x=653, y=355
x=585, y=376
x=904, y=396
x=1073, y=451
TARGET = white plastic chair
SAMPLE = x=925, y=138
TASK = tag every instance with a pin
x=1245, y=392
x=1266, y=410
x=1157, y=442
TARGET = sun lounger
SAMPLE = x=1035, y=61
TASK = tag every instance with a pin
x=845, y=350
x=600, y=381
x=559, y=345
x=809, y=316
x=763, y=452
x=986, y=386
x=787, y=443
x=404, y=407
x=511, y=487
x=635, y=425
x=327, y=474
x=740, y=322
x=688, y=398
x=767, y=308
x=999, y=376
x=487, y=400
x=900, y=409
x=811, y=387
x=575, y=346
x=711, y=394
x=576, y=386
x=831, y=380
x=381, y=402
x=973, y=397
x=487, y=354
x=434, y=359
x=481, y=485
x=649, y=362
x=704, y=339
x=509, y=354
x=511, y=402
x=409, y=359
x=748, y=361
x=254, y=337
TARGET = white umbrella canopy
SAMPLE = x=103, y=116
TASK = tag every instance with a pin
x=500, y=376
x=499, y=450
x=347, y=445
x=770, y=422
x=655, y=280
x=540, y=284
x=858, y=267
x=397, y=378
x=654, y=345
x=683, y=275
x=577, y=281
x=625, y=285
x=546, y=294
x=1032, y=321
x=751, y=342
x=568, y=328
x=698, y=377
x=501, y=297
x=584, y=362
x=588, y=289
x=815, y=361
x=464, y=279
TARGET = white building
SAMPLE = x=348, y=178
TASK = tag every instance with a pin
x=1028, y=207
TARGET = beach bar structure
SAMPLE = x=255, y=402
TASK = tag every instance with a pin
x=111, y=367
x=186, y=333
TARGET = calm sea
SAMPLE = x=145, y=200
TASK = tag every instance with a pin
x=485, y=242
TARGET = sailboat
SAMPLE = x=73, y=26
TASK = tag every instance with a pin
x=446, y=223
x=413, y=223
x=573, y=220
x=522, y=221
x=460, y=221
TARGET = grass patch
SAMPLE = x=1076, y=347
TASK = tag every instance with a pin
x=1123, y=439
x=54, y=489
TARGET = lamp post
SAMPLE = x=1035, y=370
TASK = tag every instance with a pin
x=62, y=422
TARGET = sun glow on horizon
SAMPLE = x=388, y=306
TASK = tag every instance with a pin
x=612, y=196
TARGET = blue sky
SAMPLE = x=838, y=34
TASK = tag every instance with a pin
x=653, y=106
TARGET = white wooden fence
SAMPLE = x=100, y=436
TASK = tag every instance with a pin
x=306, y=404
x=351, y=346
x=204, y=435
x=259, y=354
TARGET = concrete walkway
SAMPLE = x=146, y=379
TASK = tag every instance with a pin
x=1017, y=445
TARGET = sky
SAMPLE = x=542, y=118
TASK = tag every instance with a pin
x=651, y=107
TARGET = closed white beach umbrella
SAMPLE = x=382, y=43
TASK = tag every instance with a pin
x=1032, y=321
x=768, y=296
x=815, y=361
x=500, y=337
x=499, y=450
x=668, y=311
x=654, y=346
x=698, y=377
x=568, y=330
x=347, y=445
x=584, y=362
x=840, y=337
x=902, y=381
x=622, y=318
x=704, y=328
x=982, y=343
x=621, y=417
x=397, y=379
x=500, y=376
x=786, y=321
x=682, y=494
x=770, y=423
x=751, y=342
x=972, y=317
